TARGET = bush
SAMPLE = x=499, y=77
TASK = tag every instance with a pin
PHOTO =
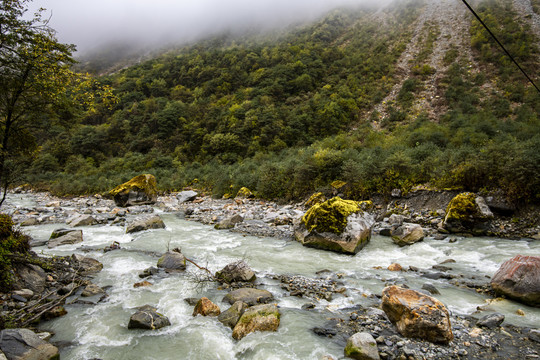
x=12, y=242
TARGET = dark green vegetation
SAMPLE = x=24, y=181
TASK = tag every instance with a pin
x=287, y=114
x=13, y=245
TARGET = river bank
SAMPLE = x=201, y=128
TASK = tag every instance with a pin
x=310, y=286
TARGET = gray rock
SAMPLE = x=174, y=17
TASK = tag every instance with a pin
x=172, y=260
x=31, y=221
x=407, y=234
x=491, y=320
x=396, y=219
x=432, y=289
x=31, y=277
x=186, y=196
x=82, y=220
x=362, y=346
x=148, y=223
x=534, y=335
x=148, y=319
x=25, y=293
x=92, y=290
x=24, y=344
x=231, y=316
x=229, y=222
x=257, y=318
x=87, y=265
x=249, y=296
x=70, y=236
x=238, y=271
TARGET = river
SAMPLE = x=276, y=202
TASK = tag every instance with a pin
x=100, y=331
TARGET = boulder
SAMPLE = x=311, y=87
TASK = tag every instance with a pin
x=186, y=196
x=30, y=276
x=31, y=221
x=87, y=265
x=491, y=320
x=148, y=319
x=407, y=234
x=82, y=220
x=336, y=225
x=55, y=312
x=65, y=237
x=231, y=316
x=244, y=193
x=417, y=315
x=172, y=261
x=467, y=212
x=257, y=318
x=147, y=223
x=229, y=222
x=91, y=290
x=205, y=307
x=140, y=190
x=24, y=344
x=249, y=296
x=519, y=279
x=362, y=346
x=238, y=271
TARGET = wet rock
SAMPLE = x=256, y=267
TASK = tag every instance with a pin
x=519, y=279
x=249, y=296
x=65, y=237
x=491, y=320
x=148, y=319
x=24, y=344
x=148, y=272
x=395, y=267
x=172, y=260
x=55, y=312
x=257, y=318
x=140, y=190
x=147, y=223
x=236, y=272
x=229, y=222
x=362, y=346
x=92, y=290
x=191, y=301
x=24, y=293
x=534, y=335
x=205, y=307
x=336, y=225
x=87, y=265
x=417, y=315
x=31, y=221
x=407, y=234
x=82, y=220
x=142, y=284
x=231, y=316
x=432, y=289
x=186, y=196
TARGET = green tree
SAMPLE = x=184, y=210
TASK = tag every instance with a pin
x=35, y=82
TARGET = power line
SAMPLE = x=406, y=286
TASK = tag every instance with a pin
x=501, y=45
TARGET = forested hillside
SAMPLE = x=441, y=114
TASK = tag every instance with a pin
x=414, y=94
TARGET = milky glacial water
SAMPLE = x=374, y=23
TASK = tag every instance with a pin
x=100, y=331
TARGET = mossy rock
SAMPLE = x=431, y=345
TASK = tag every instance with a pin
x=331, y=215
x=244, y=193
x=462, y=207
x=467, y=212
x=338, y=184
x=140, y=190
x=317, y=198
x=257, y=318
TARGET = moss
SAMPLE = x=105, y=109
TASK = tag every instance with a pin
x=331, y=215
x=144, y=182
x=244, y=192
x=316, y=198
x=462, y=207
x=338, y=184
x=12, y=241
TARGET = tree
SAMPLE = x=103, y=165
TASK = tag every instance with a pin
x=35, y=82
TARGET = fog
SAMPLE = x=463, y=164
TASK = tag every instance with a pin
x=90, y=24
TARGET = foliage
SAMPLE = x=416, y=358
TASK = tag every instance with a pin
x=12, y=241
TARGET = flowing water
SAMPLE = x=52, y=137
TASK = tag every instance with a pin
x=100, y=331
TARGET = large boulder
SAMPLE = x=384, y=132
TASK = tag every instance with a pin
x=336, y=225
x=362, y=346
x=205, y=307
x=140, y=190
x=65, y=237
x=147, y=223
x=30, y=276
x=257, y=318
x=236, y=272
x=82, y=220
x=229, y=223
x=148, y=319
x=249, y=296
x=172, y=261
x=407, y=234
x=467, y=213
x=231, y=316
x=186, y=196
x=86, y=265
x=519, y=279
x=24, y=344
x=417, y=315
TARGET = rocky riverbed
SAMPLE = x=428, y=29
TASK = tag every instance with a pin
x=321, y=292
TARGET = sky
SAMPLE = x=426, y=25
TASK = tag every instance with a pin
x=91, y=23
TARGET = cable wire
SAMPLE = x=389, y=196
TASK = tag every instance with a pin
x=501, y=45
